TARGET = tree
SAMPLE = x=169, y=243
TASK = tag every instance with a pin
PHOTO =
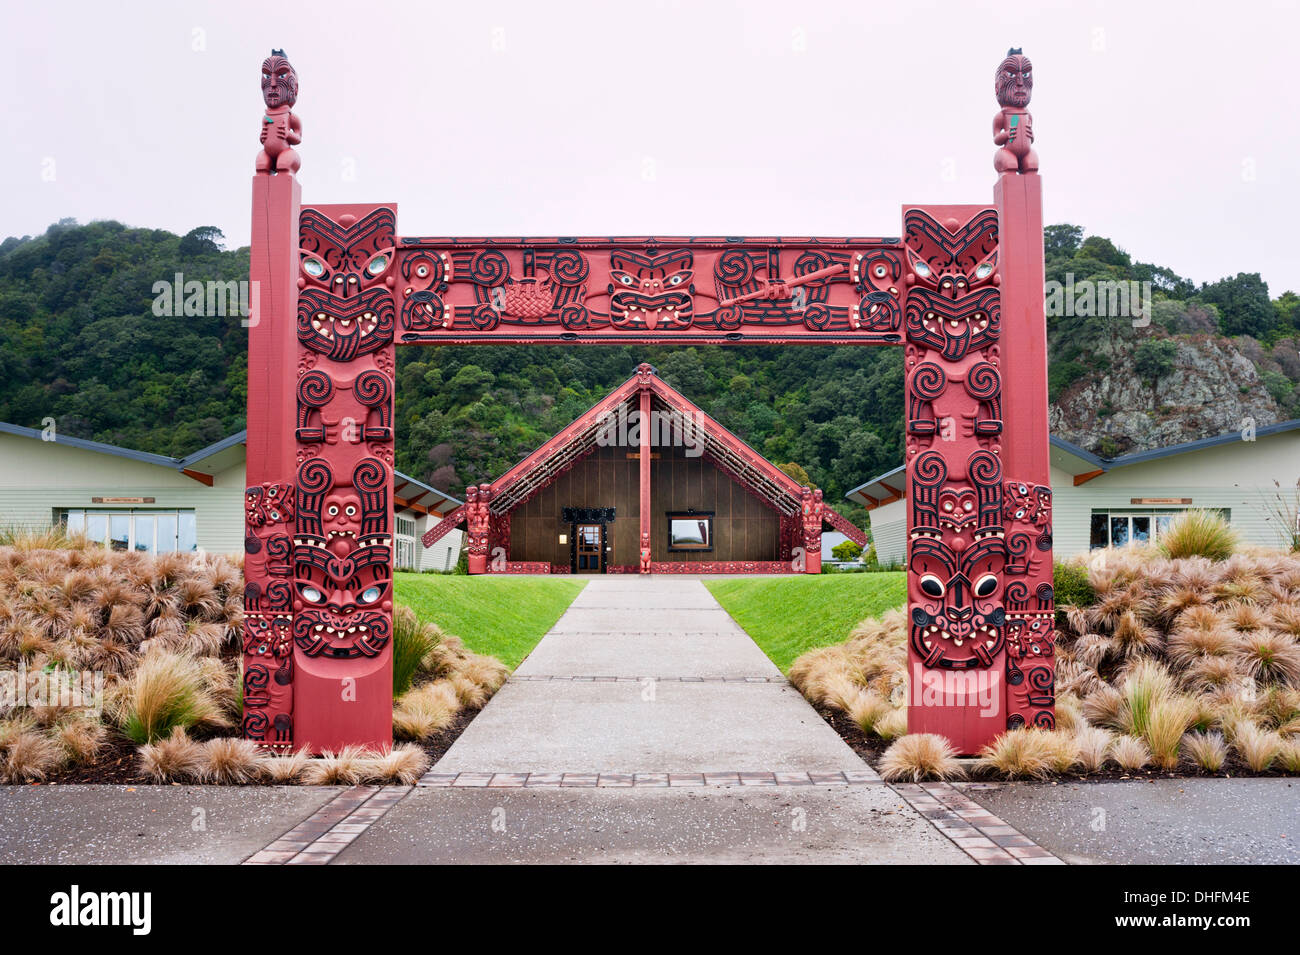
x=1154, y=358
x=1244, y=305
x=796, y=472
x=206, y=238
x=1062, y=240
x=847, y=550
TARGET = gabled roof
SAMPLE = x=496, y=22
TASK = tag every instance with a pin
x=1232, y=437
x=720, y=446
x=228, y=452
x=97, y=446
x=1070, y=458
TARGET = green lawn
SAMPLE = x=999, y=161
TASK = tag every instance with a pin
x=501, y=616
x=787, y=616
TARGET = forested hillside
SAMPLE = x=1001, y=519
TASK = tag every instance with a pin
x=80, y=342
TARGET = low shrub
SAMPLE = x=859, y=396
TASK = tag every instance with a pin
x=167, y=691
x=1198, y=533
x=920, y=756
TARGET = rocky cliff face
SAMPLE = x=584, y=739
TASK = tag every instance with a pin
x=1212, y=389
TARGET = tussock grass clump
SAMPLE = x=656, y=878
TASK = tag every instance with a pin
x=81, y=739
x=893, y=724
x=867, y=709
x=231, y=760
x=1168, y=720
x=1093, y=746
x=26, y=754
x=1144, y=685
x=920, y=756
x=403, y=764
x=346, y=767
x=1269, y=657
x=1198, y=533
x=286, y=768
x=1257, y=748
x=1205, y=750
x=167, y=691
x=175, y=758
x=426, y=711
x=412, y=642
x=1130, y=752
x=1022, y=754
x=1288, y=757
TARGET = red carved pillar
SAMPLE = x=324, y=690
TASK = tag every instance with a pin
x=272, y=348
x=978, y=515
x=953, y=415
x=1028, y=597
x=644, y=467
x=812, y=531
x=478, y=521
x=343, y=553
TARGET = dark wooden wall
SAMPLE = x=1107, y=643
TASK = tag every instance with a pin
x=744, y=528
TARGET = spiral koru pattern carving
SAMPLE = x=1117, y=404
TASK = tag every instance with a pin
x=489, y=268
x=315, y=389
x=569, y=268
x=373, y=388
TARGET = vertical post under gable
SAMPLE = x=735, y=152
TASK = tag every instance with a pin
x=645, y=373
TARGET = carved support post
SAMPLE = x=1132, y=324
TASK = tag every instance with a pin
x=1029, y=601
x=812, y=531
x=979, y=500
x=644, y=469
x=478, y=526
x=272, y=353
x=343, y=553
x=1028, y=596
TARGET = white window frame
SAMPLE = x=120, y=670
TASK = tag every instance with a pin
x=1154, y=515
x=63, y=514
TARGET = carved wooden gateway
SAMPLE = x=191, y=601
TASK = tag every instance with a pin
x=961, y=291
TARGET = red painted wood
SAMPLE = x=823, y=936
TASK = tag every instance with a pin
x=650, y=290
x=643, y=470
x=1028, y=597
x=343, y=552
x=269, y=703
x=962, y=290
x=449, y=523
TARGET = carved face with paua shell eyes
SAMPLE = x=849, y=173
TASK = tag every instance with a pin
x=279, y=81
x=957, y=618
x=343, y=598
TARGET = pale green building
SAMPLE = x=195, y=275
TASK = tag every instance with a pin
x=1097, y=502
x=133, y=500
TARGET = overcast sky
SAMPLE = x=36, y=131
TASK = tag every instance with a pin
x=1169, y=127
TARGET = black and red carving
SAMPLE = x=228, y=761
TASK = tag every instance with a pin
x=967, y=524
x=953, y=304
x=345, y=305
x=332, y=599
x=1031, y=613
x=268, y=607
x=956, y=556
x=691, y=289
x=651, y=291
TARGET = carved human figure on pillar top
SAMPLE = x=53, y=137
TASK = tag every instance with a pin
x=1013, y=127
x=281, y=130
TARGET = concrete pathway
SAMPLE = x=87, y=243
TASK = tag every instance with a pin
x=647, y=675
x=124, y=825
x=1251, y=821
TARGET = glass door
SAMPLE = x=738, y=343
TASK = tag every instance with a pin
x=588, y=537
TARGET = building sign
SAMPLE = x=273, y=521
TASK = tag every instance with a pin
x=121, y=500
x=1160, y=500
